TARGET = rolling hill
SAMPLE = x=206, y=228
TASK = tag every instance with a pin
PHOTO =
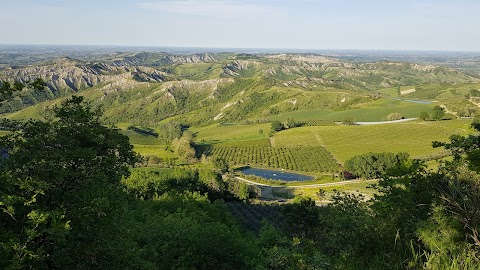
x=200, y=89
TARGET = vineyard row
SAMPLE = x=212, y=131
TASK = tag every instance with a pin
x=298, y=158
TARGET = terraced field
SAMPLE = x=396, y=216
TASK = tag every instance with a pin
x=345, y=142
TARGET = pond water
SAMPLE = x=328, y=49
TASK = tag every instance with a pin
x=276, y=175
x=414, y=101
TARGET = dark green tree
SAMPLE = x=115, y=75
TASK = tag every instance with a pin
x=38, y=84
x=438, y=113
x=303, y=216
x=276, y=126
x=348, y=122
x=60, y=190
x=18, y=85
x=375, y=165
x=6, y=90
x=424, y=116
x=291, y=123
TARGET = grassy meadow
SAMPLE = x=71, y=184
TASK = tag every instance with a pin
x=217, y=133
x=345, y=142
x=373, y=111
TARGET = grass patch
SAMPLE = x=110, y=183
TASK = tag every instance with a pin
x=345, y=142
x=199, y=71
x=355, y=188
x=154, y=150
x=372, y=111
x=216, y=133
x=139, y=138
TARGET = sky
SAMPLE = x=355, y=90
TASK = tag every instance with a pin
x=451, y=25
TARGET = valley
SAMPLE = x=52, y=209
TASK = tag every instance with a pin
x=248, y=142
x=228, y=102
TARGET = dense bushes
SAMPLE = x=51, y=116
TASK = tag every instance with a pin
x=374, y=165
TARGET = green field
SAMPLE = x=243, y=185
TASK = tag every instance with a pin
x=393, y=91
x=298, y=158
x=160, y=151
x=345, y=142
x=139, y=138
x=216, y=133
x=363, y=188
x=373, y=111
x=199, y=71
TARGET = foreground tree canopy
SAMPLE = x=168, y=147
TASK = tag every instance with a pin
x=56, y=182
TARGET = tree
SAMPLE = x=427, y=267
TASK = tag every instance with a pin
x=219, y=164
x=348, y=122
x=38, y=84
x=6, y=90
x=169, y=132
x=394, y=116
x=303, y=216
x=375, y=165
x=183, y=147
x=424, y=116
x=276, y=126
x=60, y=189
x=438, y=113
x=459, y=188
x=18, y=85
x=291, y=123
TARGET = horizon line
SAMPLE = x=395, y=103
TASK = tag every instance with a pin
x=237, y=48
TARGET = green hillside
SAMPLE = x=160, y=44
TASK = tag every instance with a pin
x=146, y=89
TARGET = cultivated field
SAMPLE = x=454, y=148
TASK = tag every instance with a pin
x=297, y=158
x=373, y=111
x=345, y=142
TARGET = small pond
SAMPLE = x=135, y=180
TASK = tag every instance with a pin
x=414, y=101
x=276, y=175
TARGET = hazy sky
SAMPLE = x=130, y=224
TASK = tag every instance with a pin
x=300, y=24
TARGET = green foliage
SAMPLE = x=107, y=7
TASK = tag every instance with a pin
x=18, y=85
x=183, y=147
x=38, y=84
x=276, y=126
x=394, y=116
x=148, y=184
x=291, y=123
x=438, y=113
x=6, y=90
x=220, y=164
x=348, y=122
x=303, y=217
x=187, y=231
x=60, y=179
x=424, y=116
x=170, y=131
x=375, y=165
